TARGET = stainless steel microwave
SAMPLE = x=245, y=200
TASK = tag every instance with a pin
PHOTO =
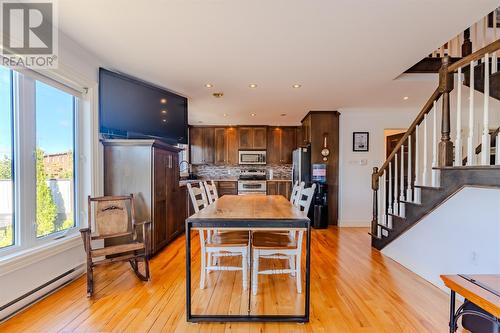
x=252, y=157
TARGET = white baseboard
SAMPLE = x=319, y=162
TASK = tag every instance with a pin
x=25, y=301
x=354, y=223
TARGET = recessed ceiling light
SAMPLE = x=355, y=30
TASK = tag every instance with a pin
x=163, y=101
x=405, y=98
x=218, y=94
x=225, y=114
x=252, y=85
x=208, y=85
x=296, y=86
x=164, y=120
x=163, y=111
x=283, y=114
x=253, y=114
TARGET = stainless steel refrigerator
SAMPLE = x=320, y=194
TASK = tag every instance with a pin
x=301, y=168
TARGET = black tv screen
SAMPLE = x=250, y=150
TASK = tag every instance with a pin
x=130, y=108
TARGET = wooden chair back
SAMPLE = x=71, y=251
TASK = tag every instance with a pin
x=113, y=215
x=297, y=188
x=195, y=192
x=211, y=190
x=305, y=198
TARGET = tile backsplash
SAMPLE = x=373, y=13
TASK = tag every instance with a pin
x=280, y=171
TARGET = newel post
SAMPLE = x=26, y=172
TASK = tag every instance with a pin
x=445, y=87
x=375, y=184
x=467, y=45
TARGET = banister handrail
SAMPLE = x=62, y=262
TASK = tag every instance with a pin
x=425, y=109
x=490, y=48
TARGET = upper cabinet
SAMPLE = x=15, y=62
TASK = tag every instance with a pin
x=226, y=145
x=252, y=138
x=281, y=141
x=201, y=140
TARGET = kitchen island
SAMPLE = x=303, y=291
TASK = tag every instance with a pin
x=224, y=300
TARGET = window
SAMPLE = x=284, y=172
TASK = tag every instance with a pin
x=6, y=160
x=38, y=173
x=55, y=123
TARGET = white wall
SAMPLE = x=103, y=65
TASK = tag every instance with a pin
x=355, y=177
x=459, y=237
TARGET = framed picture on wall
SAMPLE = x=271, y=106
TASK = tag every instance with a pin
x=360, y=141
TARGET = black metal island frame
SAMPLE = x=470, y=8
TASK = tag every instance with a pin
x=252, y=213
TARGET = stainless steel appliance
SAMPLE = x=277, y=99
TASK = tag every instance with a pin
x=252, y=182
x=301, y=168
x=252, y=157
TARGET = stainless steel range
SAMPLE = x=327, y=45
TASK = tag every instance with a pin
x=252, y=182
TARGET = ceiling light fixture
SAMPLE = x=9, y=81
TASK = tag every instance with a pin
x=164, y=111
x=296, y=86
x=253, y=114
x=163, y=101
x=225, y=114
x=252, y=85
x=208, y=85
x=283, y=114
x=164, y=120
x=218, y=94
x=405, y=98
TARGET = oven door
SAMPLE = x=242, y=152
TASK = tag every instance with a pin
x=251, y=187
x=252, y=157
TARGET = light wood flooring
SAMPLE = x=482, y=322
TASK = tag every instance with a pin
x=353, y=289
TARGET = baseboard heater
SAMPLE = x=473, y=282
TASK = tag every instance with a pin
x=15, y=306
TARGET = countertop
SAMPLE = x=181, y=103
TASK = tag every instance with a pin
x=229, y=179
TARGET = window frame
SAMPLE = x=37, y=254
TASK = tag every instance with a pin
x=24, y=164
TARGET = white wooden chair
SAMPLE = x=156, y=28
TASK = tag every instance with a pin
x=297, y=188
x=211, y=190
x=281, y=246
x=231, y=243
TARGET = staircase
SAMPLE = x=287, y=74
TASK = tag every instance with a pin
x=433, y=162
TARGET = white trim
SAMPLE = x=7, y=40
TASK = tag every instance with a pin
x=24, y=258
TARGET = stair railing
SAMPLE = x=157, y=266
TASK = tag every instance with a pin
x=414, y=161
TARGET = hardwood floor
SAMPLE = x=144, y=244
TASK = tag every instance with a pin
x=353, y=289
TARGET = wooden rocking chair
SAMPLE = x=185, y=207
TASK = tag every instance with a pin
x=112, y=220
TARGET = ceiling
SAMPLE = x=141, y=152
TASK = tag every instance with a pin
x=344, y=54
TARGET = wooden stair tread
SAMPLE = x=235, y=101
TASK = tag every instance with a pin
x=229, y=239
x=384, y=227
x=410, y=202
x=395, y=215
x=266, y=240
x=114, y=249
x=428, y=187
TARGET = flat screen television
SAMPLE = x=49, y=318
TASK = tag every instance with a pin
x=133, y=109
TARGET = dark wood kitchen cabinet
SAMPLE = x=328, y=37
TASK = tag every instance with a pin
x=202, y=145
x=149, y=169
x=283, y=188
x=227, y=188
x=226, y=145
x=281, y=141
x=252, y=138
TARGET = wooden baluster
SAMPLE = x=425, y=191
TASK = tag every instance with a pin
x=494, y=62
x=458, y=139
x=425, y=155
x=457, y=52
x=402, y=183
x=434, y=146
x=485, y=27
x=395, y=206
x=389, y=198
x=467, y=44
x=485, y=144
x=475, y=44
x=445, y=145
x=375, y=227
x=409, y=193
x=470, y=138
x=417, y=167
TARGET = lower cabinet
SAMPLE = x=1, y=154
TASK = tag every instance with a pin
x=227, y=188
x=283, y=188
